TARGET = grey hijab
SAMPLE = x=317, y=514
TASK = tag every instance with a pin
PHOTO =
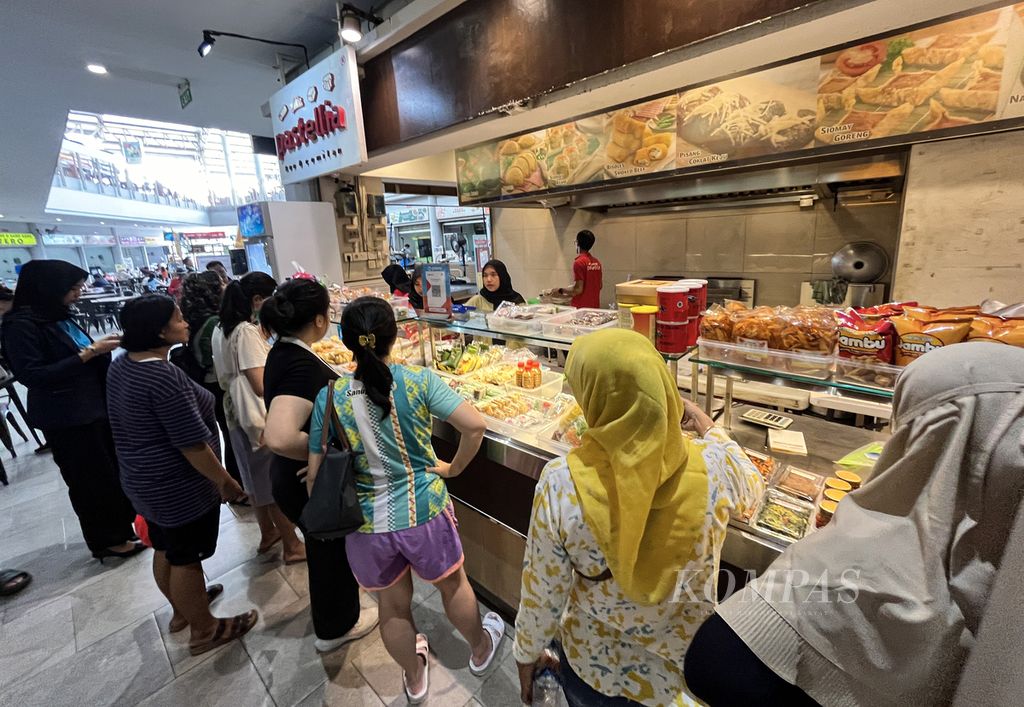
x=925, y=536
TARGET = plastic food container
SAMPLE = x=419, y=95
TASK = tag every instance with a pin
x=527, y=320
x=550, y=387
x=513, y=413
x=838, y=484
x=834, y=495
x=578, y=322
x=852, y=478
x=643, y=320
x=808, y=365
x=800, y=482
x=765, y=464
x=826, y=509
x=873, y=375
x=783, y=516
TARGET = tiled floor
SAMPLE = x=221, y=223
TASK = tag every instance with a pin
x=85, y=634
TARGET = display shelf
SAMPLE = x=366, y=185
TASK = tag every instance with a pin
x=478, y=327
x=795, y=378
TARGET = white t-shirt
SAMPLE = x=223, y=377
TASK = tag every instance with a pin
x=244, y=350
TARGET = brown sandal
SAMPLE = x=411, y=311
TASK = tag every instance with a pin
x=267, y=544
x=227, y=631
x=212, y=593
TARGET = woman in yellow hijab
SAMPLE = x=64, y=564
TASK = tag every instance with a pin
x=626, y=533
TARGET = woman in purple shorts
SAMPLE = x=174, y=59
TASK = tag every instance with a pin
x=386, y=411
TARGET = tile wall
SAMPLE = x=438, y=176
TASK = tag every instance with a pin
x=778, y=246
x=962, y=236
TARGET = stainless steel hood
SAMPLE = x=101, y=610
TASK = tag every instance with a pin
x=848, y=182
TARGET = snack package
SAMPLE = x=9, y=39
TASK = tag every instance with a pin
x=760, y=327
x=883, y=311
x=998, y=330
x=917, y=336
x=716, y=324
x=807, y=330
x=862, y=340
x=571, y=426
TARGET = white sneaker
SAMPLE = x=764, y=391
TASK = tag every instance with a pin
x=368, y=621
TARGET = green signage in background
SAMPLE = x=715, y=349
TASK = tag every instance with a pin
x=952, y=76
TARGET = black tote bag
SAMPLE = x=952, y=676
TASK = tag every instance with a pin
x=333, y=509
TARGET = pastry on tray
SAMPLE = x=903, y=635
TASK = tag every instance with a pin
x=837, y=87
x=876, y=124
x=940, y=119
x=914, y=87
x=980, y=93
x=946, y=49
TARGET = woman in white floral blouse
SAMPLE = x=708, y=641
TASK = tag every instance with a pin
x=626, y=533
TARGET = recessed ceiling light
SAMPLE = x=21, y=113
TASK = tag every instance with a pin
x=103, y=223
x=98, y=69
x=59, y=219
x=136, y=225
x=1, y=215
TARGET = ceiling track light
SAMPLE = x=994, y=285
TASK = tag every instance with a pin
x=210, y=38
x=350, y=22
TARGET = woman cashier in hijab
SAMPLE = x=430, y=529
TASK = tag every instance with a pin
x=883, y=605
x=497, y=288
x=65, y=372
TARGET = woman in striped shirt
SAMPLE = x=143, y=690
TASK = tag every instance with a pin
x=167, y=446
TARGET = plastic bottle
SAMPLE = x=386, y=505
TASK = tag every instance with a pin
x=521, y=375
x=536, y=374
x=546, y=690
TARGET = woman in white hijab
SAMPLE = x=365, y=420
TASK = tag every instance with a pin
x=883, y=605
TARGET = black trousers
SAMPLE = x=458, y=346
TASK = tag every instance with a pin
x=721, y=670
x=87, y=462
x=333, y=591
x=222, y=421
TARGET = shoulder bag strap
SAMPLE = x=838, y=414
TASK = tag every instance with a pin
x=331, y=422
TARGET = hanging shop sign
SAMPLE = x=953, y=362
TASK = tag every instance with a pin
x=318, y=119
x=158, y=241
x=951, y=78
x=17, y=239
x=132, y=241
x=100, y=240
x=132, y=150
x=63, y=239
x=448, y=213
x=417, y=214
x=204, y=235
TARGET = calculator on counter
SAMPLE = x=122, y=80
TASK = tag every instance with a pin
x=764, y=418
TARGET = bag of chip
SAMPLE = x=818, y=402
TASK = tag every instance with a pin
x=716, y=324
x=998, y=330
x=883, y=311
x=915, y=337
x=862, y=340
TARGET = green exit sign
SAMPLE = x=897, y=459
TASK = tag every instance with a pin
x=185, y=93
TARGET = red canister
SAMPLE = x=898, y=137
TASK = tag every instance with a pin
x=674, y=303
x=671, y=337
x=692, y=331
x=700, y=288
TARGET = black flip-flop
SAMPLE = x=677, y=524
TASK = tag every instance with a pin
x=13, y=581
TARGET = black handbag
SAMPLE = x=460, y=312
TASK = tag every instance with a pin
x=333, y=509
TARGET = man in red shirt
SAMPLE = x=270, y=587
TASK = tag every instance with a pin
x=587, y=274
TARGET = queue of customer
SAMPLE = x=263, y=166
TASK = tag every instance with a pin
x=615, y=523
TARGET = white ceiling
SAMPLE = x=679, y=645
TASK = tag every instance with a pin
x=148, y=46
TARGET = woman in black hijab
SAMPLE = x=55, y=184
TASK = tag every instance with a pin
x=497, y=288
x=65, y=372
x=416, y=291
x=397, y=279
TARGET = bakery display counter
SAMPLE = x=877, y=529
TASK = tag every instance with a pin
x=494, y=496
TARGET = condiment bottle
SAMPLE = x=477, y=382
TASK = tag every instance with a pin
x=521, y=375
x=536, y=374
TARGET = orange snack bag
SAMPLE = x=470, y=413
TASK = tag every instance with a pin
x=998, y=330
x=916, y=337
